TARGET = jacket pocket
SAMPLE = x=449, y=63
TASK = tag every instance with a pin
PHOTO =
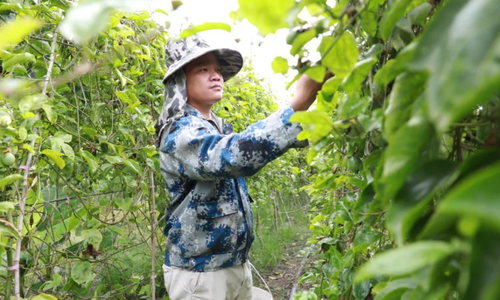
x=217, y=227
x=215, y=209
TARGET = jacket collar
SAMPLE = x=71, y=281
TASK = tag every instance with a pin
x=189, y=110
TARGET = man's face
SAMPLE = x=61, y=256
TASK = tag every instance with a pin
x=204, y=80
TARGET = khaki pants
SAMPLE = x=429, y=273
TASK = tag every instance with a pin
x=233, y=283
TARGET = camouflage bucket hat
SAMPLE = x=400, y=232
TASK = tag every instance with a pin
x=179, y=53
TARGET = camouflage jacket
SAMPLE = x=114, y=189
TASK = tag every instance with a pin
x=209, y=218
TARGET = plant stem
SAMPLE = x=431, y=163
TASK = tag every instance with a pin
x=153, y=236
x=8, y=281
x=27, y=166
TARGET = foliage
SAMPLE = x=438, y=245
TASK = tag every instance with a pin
x=88, y=223
x=404, y=144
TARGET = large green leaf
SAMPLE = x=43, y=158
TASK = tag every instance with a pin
x=316, y=124
x=352, y=83
x=394, y=289
x=266, y=15
x=55, y=156
x=394, y=67
x=316, y=73
x=43, y=296
x=133, y=165
x=7, y=206
x=32, y=102
x=13, y=32
x=301, y=39
x=89, y=18
x=484, y=267
x=81, y=271
x=204, y=27
x=92, y=236
x=394, y=13
x=403, y=153
x=7, y=228
x=9, y=179
x=415, y=195
x=90, y=159
x=20, y=58
x=405, y=91
x=339, y=55
x=475, y=196
x=404, y=260
x=59, y=142
x=460, y=50
x=280, y=65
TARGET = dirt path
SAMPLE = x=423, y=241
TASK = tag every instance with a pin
x=284, y=275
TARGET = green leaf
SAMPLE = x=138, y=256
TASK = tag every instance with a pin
x=9, y=229
x=316, y=124
x=475, y=196
x=394, y=67
x=404, y=260
x=394, y=13
x=483, y=275
x=32, y=102
x=362, y=289
x=403, y=153
x=302, y=39
x=11, y=6
x=280, y=65
x=124, y=203
x=331, y=85
x=133, y=165
x=9, y=179
x=395, y=288
x=352, y=105
x=405, y=91
x=267, y=16
x=91, y=160
x=339, y=55
x=81, y=271
x=43, y=296
x=55, y=156
x=92, y=236
x=122, y=78
x=51, y=114
x=7, y=206
x=418, y=16
x=57, y=280
x=59, y=143
x=112, y=159
x=13, y=32
x=416, y=194
x=352, y=83
x=365, y=237
x=204, y=27
x=460, y=51
x=316, y=73
x=89, y=18
x=20, y=58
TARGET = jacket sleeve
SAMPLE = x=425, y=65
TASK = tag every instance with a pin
x=195, y=150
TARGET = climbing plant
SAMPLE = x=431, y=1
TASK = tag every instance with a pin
x=82, y=201
x=405, y=144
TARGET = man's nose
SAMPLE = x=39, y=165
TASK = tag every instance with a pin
x=215, y=76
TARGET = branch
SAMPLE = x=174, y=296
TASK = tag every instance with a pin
x=26, y=167
x=153, y=236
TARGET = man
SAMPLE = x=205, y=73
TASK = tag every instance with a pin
x=209, y=226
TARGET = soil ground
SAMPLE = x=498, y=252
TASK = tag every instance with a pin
x=283, y=276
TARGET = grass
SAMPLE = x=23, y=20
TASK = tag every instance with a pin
x=278, y=225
